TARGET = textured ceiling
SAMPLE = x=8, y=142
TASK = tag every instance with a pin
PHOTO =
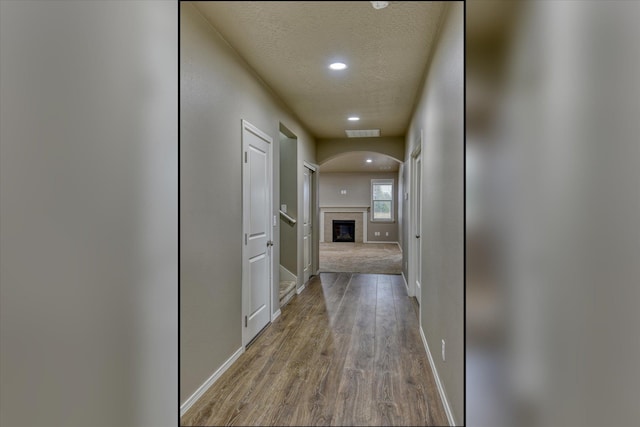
x=356, y=162
x=291, y=44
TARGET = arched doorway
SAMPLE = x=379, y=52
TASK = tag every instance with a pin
x=360, y=213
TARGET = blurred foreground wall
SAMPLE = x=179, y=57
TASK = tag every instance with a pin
x=553, y=213
x=88, y=213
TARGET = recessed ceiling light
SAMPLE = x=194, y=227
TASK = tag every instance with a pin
x=379, y=4
x=354, y=118
x=369, y=160
x=338, y=66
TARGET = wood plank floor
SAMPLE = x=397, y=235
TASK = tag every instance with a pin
x=347, y=351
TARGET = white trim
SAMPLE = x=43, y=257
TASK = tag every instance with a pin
x=209, y=382
x=443, y=396
x=300, y=289
x=287, y=298
x=400, y=247
x=412, y=243
x=310, y=166
x=405, y=282
x=245, y=218
x=345, y=209
x=365, y=232
x=385, y=181
x=287, y=275
x=275, y=315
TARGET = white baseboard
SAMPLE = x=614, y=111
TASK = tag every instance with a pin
x=209, y=382
x=399, y=246
x=275, y=315
x=299, y=290
x=287, y=275
x=443, y=396
x=406, y=285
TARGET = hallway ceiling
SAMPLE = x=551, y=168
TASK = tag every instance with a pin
x=291, y=44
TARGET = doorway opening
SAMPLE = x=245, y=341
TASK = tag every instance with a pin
x=308, y=208
x=359, y=217
x=288, y=215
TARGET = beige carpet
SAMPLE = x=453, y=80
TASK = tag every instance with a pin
x=373, y=258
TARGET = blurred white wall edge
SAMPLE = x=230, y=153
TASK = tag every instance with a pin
x=564, y=216
x=88, y=213
x=157, y=325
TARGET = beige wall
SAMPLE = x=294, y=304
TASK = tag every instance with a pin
x=391, y=146
x=440, y=115
x=358, y=186
x=218, y=90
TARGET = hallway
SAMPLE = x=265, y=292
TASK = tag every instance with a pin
x=346, y=351
x=298, y=121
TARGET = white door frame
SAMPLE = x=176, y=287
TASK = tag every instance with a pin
x=245, y=212
x=315, y=217
x=413, y=242
x=310, y=244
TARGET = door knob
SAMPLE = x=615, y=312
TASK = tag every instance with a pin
x=417, y=236
x=269, y=243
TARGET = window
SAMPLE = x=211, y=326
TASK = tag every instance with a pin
x=382, y=200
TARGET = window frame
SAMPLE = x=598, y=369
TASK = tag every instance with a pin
x=386, y=181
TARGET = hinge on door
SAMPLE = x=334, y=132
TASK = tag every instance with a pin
x=245, y=157
x=245, y=239
x=245, y=321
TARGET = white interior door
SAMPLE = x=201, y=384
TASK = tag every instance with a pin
x=306, y=224
x=256, y=254
x=417, y=224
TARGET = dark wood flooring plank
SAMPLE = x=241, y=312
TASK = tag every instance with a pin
x=246, y=377
x=318, y=402
x=346, y=351
x=241, y=376
x=355, y=396
x=390, y=402
x=283, y=380
x=424, y=407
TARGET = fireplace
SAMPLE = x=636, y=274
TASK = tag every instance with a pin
x=344, y=230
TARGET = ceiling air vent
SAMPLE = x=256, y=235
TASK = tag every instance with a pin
x=362, y=133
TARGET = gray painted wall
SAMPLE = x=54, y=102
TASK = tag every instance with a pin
x=218, y=90
x=289, y=196
x=88, y=213
x=440, y=114
x=358, y=186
